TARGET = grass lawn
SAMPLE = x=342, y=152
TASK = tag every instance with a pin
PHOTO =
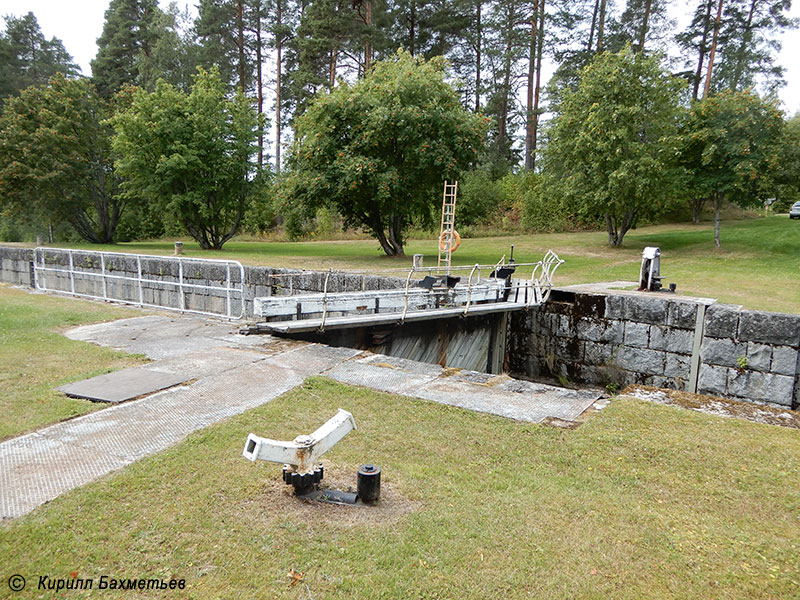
x=641, y=501
x=35, y=357
x=757, y=265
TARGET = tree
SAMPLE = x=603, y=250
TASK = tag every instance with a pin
x=787, y=177
x=730, y=149
x=640, y=22
x=749, y=43
x=27, y=58
x=174, y=55
x=379, y=150
x=55, y=160
x=505, y=51
x=610, y=149
x=696, y=40
x=130, y=32
x=190, y=154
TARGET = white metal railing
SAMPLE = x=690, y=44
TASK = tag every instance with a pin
x=228, y=288
x=477, y=289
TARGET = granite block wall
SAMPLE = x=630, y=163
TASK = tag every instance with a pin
x=617, y=338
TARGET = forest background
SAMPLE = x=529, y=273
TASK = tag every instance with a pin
x=282, y=56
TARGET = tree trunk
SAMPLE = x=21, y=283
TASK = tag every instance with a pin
x=697, y=208
x=240, y=42
x=396, y=235
x=747, y=37
x=478, y=57
x=259, y=75
x=616, y=230
x=645, y=23
x=611, y=228
x=534, y=39
x=601, y=25
x=413, y=29
x=368, y=41
x=698, y=74
x=717, y=207
x=278, y=65
x=502, y=128
x=589, y=46
x=334, y=58
x=538, y=86
x=713, y=50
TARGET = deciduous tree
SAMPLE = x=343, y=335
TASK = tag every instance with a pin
x=379, y=150
x=730, y=149
x=55, y=159
x=611, y=148
x=191, y=154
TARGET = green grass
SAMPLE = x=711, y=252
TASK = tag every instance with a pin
x=642, y=501
x=36, y=358
x=757, y=265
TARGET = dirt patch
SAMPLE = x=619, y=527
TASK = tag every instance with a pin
x=714, y=405
x=277, y=500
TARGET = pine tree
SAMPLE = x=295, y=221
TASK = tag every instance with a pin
x=696, y=41
x=27, y=58
x=749, y=44
x=130, y=32
x=641, y=22
x=174, y=55
x=507, y=45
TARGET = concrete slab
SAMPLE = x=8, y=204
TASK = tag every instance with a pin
x=482, y=392
x=232, y=373
x=312, y=358
x=122, y=385
x=35, y=469
x=386, y=373
x=206, y=362
x=146, y=426
x=532, y=406
x=159, y=337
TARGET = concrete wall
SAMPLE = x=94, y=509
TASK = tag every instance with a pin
x=613, y=339
x=16, y=266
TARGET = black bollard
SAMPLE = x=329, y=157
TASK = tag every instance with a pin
x=369, y=483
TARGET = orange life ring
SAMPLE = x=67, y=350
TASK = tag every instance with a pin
x=443, y=241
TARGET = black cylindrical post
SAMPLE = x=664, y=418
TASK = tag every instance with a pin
x=369, y=483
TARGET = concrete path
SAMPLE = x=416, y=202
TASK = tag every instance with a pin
x=231, y=373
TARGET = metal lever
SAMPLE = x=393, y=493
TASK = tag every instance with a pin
x=304, y=451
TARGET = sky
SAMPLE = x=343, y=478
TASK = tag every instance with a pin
x=79, y=24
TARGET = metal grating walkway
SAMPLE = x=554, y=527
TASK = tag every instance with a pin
x=234, y=373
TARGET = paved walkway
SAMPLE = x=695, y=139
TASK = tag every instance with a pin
x=231, y=373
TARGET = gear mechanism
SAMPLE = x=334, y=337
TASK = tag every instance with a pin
x=303, y=483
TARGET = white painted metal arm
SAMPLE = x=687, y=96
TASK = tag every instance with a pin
x=305, y=450
x=332, y=431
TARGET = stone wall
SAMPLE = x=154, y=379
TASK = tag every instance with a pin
x=16, y=266
x=617, y=338
x=751, y=355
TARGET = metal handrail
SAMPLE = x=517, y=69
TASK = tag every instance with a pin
x=325, y=301
x=469, y=287
x=41, y=269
